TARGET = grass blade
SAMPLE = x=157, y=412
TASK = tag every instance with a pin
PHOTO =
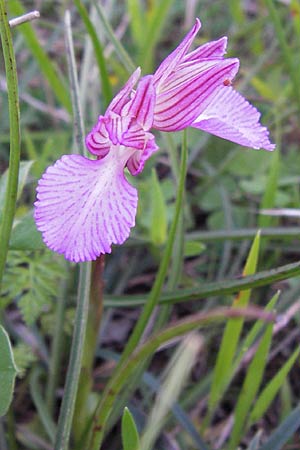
x=270, y=391
x=224, y=364
x=154, y=30
x=106, y=86
x=15, y=144
x=220, y=288
x=137, y=20
x=120, y=50
x=46, y=66
x=250, y=387
x=130, y=436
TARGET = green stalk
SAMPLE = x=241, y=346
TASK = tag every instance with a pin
x=14, y=121
x=118, y=381
x=73, y=373
x=82, y=407
x=98, y=430
x=71, y=386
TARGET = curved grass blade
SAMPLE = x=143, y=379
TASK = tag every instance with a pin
x=142, y=353
x=220, y=288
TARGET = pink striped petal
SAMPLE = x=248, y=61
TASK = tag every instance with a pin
x=231, y=117
x=142, y=105
x=85, y=206
x=137, y=161
x=213, y=49
x=169, y=64
x=97, y=141
x=122, y=98
x=188, y=92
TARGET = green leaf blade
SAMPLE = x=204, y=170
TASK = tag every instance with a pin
x=270, y=391
x=250, y=387
x=8, y=372
x=130, y=436
x=230, y=340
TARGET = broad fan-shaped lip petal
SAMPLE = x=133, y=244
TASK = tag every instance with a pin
x=189, y=91
x=170, y=62
x=85, y=206
x=230, y=116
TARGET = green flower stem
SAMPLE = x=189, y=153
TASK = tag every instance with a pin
x=99, y=418
x=14, y=121
x=77, y=348
x=71, y=386
x=82, y=410
x=215, y=288
x=118, y=381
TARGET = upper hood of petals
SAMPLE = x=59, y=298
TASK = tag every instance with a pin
x=189, y=91
x=169, y=64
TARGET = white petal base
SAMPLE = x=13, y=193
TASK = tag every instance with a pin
x=84, y=206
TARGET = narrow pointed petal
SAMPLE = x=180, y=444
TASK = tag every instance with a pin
x=142, y=105
x=189, y=91
x=169, y=64
x=122, y=98
x=232, y=117
x=85, y=206
x=213, y=49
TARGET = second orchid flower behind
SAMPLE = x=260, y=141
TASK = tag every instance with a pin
x=84, y=206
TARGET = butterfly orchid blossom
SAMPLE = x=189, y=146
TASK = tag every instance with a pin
x=84, y=206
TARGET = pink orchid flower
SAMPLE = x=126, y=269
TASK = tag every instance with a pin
x=84, y=206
